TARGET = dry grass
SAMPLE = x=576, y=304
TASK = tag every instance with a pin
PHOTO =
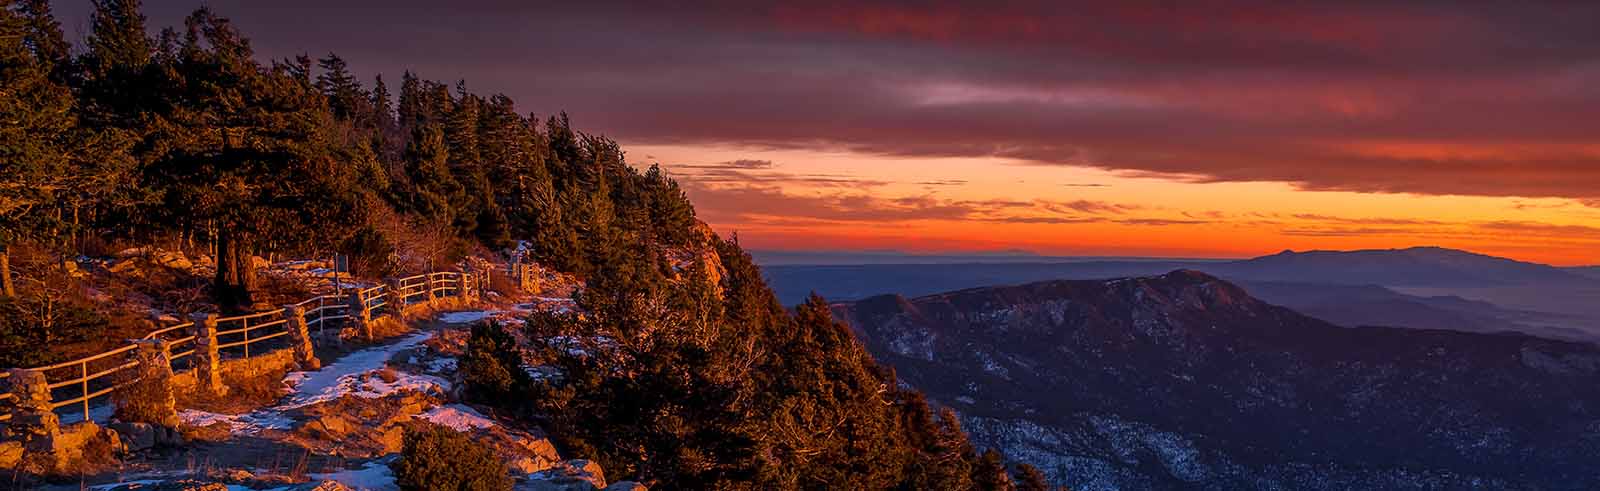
x=244, y=393
x=440, y=305
x=388, y=326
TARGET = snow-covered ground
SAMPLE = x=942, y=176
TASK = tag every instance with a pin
x=344, y=376
x=348, y=376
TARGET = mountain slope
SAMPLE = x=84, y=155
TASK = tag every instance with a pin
x=1184, y=380
x=1587, y=271
x=1372, y=305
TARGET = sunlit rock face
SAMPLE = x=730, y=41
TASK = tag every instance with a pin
x=1185, y=381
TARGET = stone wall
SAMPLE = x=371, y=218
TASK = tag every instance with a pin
x=276, y=361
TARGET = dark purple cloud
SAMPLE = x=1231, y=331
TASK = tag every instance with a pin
x=1476, y=98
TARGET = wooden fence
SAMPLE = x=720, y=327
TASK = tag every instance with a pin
x=81, y=381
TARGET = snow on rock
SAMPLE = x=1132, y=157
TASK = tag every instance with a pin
x=375, y=476
x=441, y=365
x=127, y=484
x=246, y=424
x=371, y=384
x=457, y=416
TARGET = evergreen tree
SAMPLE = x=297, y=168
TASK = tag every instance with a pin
x=411, y=106
x=1029, y=478
x=989, y=472
x=345, y=96
x=117, y=38
x=433, y=188
x=382, y=106
x=43, y=37
x=34, y=124
x=246, y=153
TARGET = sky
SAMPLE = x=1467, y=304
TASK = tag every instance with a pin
x=1194, y=129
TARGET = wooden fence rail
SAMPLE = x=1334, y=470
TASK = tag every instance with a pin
x=84, y=380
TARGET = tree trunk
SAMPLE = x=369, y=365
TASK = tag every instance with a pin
x=5, y=273
x=236, y=273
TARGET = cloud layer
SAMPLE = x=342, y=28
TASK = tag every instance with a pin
x=1471, y=98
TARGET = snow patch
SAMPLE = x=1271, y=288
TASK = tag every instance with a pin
x=457, y=416
x=249, y=423
x=368, y=385
x=310, y=384
x=130, y=484
x=467, y=316
x=440, y=365
x=375, y=476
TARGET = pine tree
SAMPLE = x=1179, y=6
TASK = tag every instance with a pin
x=117, y=38
x=410, y=109
x=43, y=37
x=432, y=188
x=382, y=106
x=244, y=154
x=1029, y=478
x=115, y=83
x=34, y=123
x=989, y=472
x=345, y=95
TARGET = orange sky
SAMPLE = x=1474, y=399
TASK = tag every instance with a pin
x=806, y=199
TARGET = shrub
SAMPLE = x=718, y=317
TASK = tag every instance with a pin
x=439, y=458
x=492, y=366
x=35, y=329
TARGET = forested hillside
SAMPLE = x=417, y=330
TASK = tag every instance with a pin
x=695, y=377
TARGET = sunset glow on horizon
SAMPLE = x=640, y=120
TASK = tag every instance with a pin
x=805, y=200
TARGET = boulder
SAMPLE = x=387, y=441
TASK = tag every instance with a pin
x=144, y=436
x=572, y=475
x=360, y=427
x=10, y=454
x=131, y=252
x=172, y=259
x=122, y=266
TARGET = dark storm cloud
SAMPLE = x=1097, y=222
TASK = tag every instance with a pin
x=1474, y=98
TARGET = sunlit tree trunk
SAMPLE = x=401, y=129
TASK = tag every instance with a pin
x=5, y=273
x=236, y=273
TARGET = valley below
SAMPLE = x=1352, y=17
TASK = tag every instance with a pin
x=1186, y=381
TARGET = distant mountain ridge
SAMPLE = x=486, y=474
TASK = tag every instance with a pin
x=1416, y=266
x=1185, y=381
x=1421, y=287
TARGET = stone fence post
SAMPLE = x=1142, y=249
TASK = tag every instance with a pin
x=397, y=299
x=32, y=418
x=207, y=360
x=360, y=314
x=300, y=337
x=149, y=398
